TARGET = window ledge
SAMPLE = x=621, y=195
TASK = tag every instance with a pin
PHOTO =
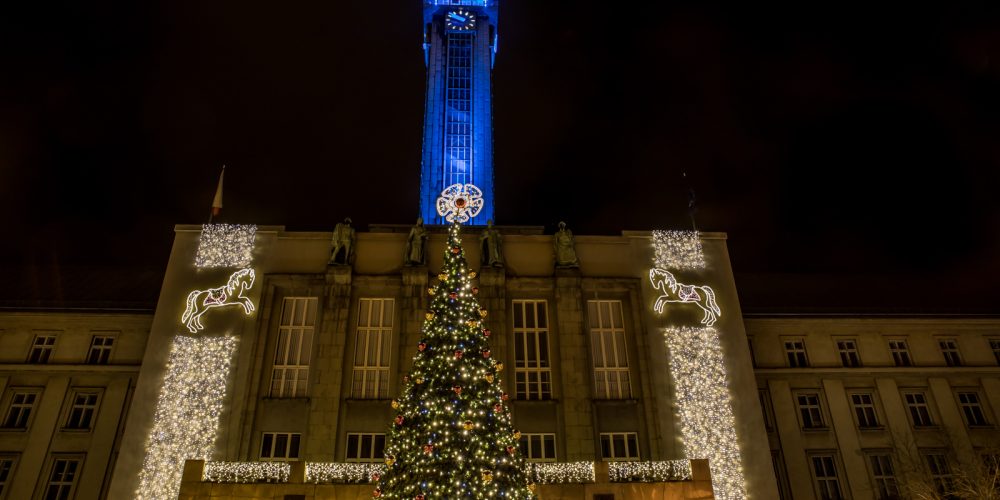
x=872, y=428
x=816, y=429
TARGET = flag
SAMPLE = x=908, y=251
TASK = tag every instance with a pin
x=217, y=202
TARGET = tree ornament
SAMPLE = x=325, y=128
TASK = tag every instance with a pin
x=421, y=346
x=376, y=477
x=418, y=380
x=377, y=493
x=389, y=460
x=431, y=291
x=486, y=353
x=406, y=378
x=510, y=449
x=428, y=448
x=531, y=487
x=472, y=275
x=475, y=290
x=497, y=408
x=483, y=313
x=499, y=367
x=442, y=276
x=487, y=333
x=468, y=425
x=504, y=396
x=429, y=316
x=489, y=378
x=457, y=389
x=487, y=477
x=395, y=404
x=456, y=250
x=472, y=323
x=419, y=497
x=517, y=435
x=452, y=295
x=399, y=420
x=459, y=353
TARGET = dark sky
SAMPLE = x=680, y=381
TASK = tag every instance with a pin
x=851, y=154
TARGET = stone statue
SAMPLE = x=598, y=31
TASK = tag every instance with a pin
x=343, y=243
x=489, y=242
x=415, y=245
x=564, y=247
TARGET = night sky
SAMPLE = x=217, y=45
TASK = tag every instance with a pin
x=851, y=155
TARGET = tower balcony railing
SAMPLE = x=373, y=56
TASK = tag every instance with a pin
x=470, y=3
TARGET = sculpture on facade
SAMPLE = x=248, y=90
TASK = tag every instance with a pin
x=414, y=255
x=343, y=243
x=565, y=247
x=489, y=242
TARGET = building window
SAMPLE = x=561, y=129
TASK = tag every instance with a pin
x=6, y=467
x=949, y=349
x=372, y=349
x=825, y=474
x=937, y=464
x=458, y=115
x=753, y=355
x=766, y=409
x=972, y=409
x=538, y=447
x=780, y=475
x=607, y=337
x=864, y=410
x=81, y=414
x=280, y=446
x=920, y=412
x=365, y=447
x=900, y=352
x=290, y=376
x=795, y=351
x=21, y=404
x=62, y=479
x=883, y=476
x=41, y=349
x=100, y=349
x=848, y=350
x=809, y=408
x=619, y=446
x=532, y=371
x=995, y=346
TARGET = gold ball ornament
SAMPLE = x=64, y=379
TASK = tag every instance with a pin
x=531, y=487
x=442, y=276
x=472, y=275
x=395, y=404
x=389, y=460
x=499, y=367
x=468, y=425
x=430, y=291
x=487, y=477
x=517, y=435
x=429, y=316
x=489, y=378
x=483, y=313
x=418, y=381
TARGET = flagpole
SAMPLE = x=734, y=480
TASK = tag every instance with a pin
x=217, y=201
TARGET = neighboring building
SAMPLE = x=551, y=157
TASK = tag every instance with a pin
x=862, y=406
x=66, y=381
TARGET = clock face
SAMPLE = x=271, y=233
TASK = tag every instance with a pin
x=460, y=20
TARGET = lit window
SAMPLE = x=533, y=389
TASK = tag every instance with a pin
x=937, y=464
x=900, y=353
x=972, y=409
x=619, y=446
x=62, y=479
x=100, y=349
x=809, y=409
x=864, y=410
x=372, y=349
x=41, y=349
x=280, y=446
x=883, y=476
x=920, y=412
x=81, y=414
x=848, y=350
x=458, y=118
x=21, y=404
x=6, y=466
x=532, y=371
x=795, y=352
x=949, y=349
x=825, y=474
x=607, y=337
x=365, y=447
x=538, y=447
x=293, y=351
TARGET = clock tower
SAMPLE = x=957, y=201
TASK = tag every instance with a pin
x=460, y=42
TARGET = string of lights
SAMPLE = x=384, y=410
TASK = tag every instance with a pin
x=332, y=472
x=678, y=250
x=246, y=472
x=704, y=406
x=187, y=414
x=561, y=473
x=650, y=472
x=225, y=245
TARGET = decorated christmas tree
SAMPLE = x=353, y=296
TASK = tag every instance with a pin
x=452, y=436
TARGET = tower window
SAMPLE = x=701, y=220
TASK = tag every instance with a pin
x=458, y=109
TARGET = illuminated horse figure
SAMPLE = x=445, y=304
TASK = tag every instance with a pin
x=701, y=296
x=200, y=301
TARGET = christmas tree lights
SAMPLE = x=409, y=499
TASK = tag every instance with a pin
x=678, y=250
x=704, y=406
x=452, y=436
x=186, y=421
x=246, y=472
x=225, y=245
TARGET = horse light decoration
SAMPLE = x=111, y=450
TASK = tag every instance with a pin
x=701, y=296
x=200, y=301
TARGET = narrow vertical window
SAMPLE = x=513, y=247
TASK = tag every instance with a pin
x=900, y=352
x=949, y=349
x=619, y=446
x=920, y=411
x=81, y=413
x=62, y=479
x=972, y=409
x=100, y=349
x=795, y=353
x=6, y=466
x=995, y=347
x=607, y=337
x=19, y=410
x=825, y=474
x=365, y=447
x=864, y=410
x=538, y=447
x=532, y=370
x=41, y=348
x=848, y=350
x=293, y=350
x=811, y=412
x=372, y=349
x=883, y=476
x=280, y=446
x=766, y=410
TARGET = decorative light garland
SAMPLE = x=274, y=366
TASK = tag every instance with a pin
x=560, y=473
x=673, y=291
x=332, y=472
x=650, y=472
x=459, y=203
x=246, y=472
x=704, y=406
x=187, y=414
x=678, y=250
x=225, y=245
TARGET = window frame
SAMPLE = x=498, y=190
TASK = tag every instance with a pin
x=539, y=387
x=818, y=410
x=377, y=374
x=290, y=438
x=7, y=474
x=376, y=457
x=994, y=343
x=849, y=357
x=620, y=374
x=901, y=357
x=943, y=479
x=44, y=350
x=951, y=352
x=525, y=444
x=872, y=405
x=795, y=357
x=104, y=351
x=767, y=409
x=922, y=393
x=287, y=336
x=9, y=406
x=628, y=437
x=963, y=407
x=820, y=482
x=884, y=486
x=72, y=406
x=55, y=459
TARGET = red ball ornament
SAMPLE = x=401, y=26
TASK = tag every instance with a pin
x=399, y=420
x=456, y=250
x=377, y=493
x=452, y=295
x=419, y=497
x=457, y=389
x=486, y=353
x=475, y=290
x=487, y=332
x=428, y=448
x=459, y=353
x=421, y=346
x=497, y=408
x=510, y=449
x=376, y=477
x=504, y=396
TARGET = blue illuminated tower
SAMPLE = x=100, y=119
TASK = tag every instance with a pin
x=460, y=41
